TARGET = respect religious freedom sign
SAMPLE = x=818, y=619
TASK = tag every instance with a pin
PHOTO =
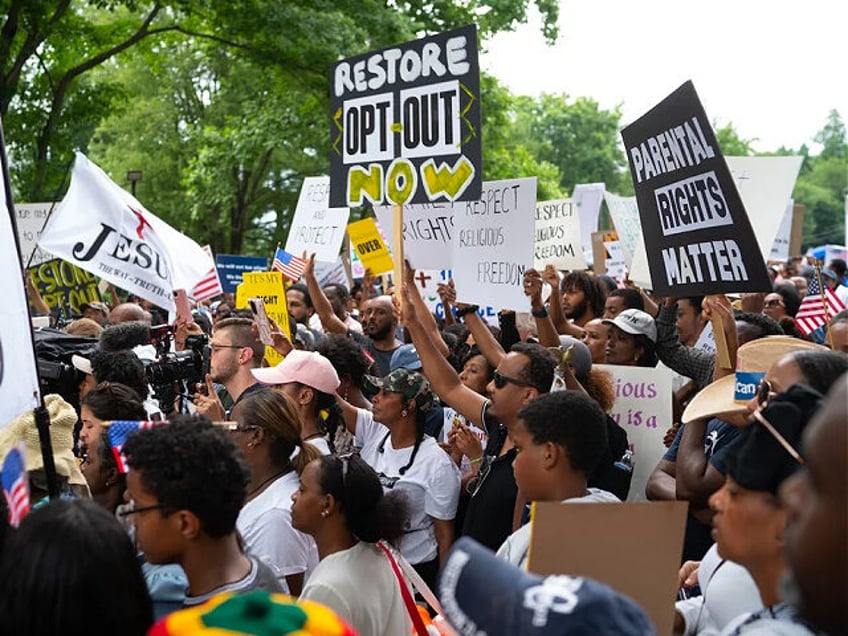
x=405, y=123
x=697, y=234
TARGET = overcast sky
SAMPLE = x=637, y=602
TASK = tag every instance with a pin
x=773, y=69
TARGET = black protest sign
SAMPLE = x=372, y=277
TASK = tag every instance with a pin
x=697, y=234
x=64, y=286
x=405, y=123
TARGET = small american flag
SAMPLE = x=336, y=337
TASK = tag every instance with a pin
x=290, y=265
x=16, y=486
x=811, y=314
x=210, y=285
x=119, y=430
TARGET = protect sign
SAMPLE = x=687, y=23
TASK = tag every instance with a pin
x=405, y=123
x=697, y=234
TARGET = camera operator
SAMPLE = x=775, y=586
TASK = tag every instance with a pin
x=235, y=350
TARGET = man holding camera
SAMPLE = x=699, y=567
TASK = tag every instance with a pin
x=235, y=350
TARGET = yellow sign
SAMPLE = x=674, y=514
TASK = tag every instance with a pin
x=369, y=246
x=269, y=287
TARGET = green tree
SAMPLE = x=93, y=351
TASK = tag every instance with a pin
x=731, y=144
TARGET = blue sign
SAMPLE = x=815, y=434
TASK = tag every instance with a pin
x=231, y=267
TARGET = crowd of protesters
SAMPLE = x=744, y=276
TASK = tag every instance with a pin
x=388, y=437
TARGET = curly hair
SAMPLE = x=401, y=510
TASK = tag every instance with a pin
x=539, y=373
x=791, y=298
x=821, y=368
x=121, y=367
x=370, y=514
x=600, y=387
x=189, y=464
x=569, y=419
x=346, y=356
x=114, y=401
x=590, y=285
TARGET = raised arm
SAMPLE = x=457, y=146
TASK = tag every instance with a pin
x=442, y=376
x=548, y=335
x=329, y=320
x=447, y=294
x=562, y=324
x=483, y=338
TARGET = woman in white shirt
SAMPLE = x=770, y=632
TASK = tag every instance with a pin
x=393, y=443
x=341, y=504
x=267, y=429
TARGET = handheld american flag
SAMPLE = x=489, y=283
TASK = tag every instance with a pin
x=119, y=430
x=290, y=265
x=816, y=309
x=16, y=486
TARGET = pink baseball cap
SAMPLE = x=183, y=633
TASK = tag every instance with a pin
x=306, y=367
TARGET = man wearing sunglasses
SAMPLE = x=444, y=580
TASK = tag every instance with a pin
x=523, y=374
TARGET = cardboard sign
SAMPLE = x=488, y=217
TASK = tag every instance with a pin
x=634, y=548
x=625, y=218
x=30, y=221
x=493, y=244
x=558, y=236
x=587, y=198
x=765, y=185
x=405, y=123
x=370, y=247
x=428, y=280
x=64, y=286
x=427, y=233
x=269, y=287
x=643, y=409
x=231, y=268
x=698, y=238
x=316, y=227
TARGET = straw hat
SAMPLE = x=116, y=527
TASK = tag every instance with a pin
x=730, y=394
x=63, y=418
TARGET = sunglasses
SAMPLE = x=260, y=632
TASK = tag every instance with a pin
x=502, y=380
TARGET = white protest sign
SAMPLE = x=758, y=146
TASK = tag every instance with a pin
x=587, y=198
x=643, y=409
x=706, y=341
x=765, y=185
x=614, y=263
x=625, y=217
x=316, y=227
x=493, y=244
x=780, y=247
x=30, y=219
x=331, y=273
x=428, y=280
x=558, y=236
x=19, y=389
x=427, y=233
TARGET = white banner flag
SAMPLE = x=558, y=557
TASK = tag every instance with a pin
x=19, y=390
x=103, y=229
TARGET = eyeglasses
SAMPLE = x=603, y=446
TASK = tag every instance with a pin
x=130, y=509
x=502, y=380
x=774, y=302
x=216, y=347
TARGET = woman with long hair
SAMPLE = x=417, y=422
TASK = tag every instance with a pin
x=394, y=444
x=267, y=429
x=108, y=401
x=341, y=504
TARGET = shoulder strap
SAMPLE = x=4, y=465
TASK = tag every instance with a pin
x=417, y=622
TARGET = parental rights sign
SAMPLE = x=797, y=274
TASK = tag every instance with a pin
x=697, y=234
x=405, y=123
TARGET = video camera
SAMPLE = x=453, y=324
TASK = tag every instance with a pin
x=172, y=367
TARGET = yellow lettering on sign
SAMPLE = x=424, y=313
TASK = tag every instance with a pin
x=362, y=183
x=446, y=180
x=402, y=181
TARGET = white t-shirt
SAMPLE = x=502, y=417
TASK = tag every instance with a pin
x=265, y=526
x=374, y=609
x=431, y=484
x=516, y=548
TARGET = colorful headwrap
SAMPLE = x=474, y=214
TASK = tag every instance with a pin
x=256, y=613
